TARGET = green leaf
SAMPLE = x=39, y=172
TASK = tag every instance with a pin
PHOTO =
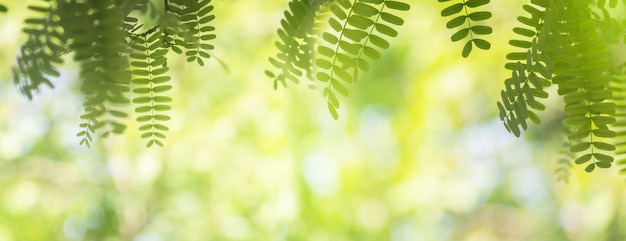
x=603, y=146
x=371, y=52
x=454, y=9
x=461, y=34
x=590, y=167
x=355, y=35
x=161, y=107
x=604, y=133
x=603, y=157
x=333, y=111
x=582, y=159
x=455, y=22
x=146, y=127
x=580, y=147
x=323, y=76
x=338, y=12
x=467, y=49
x=379, y=42
x=603, y=120
x=161, y=99
x=144, y=118
x=534, y=117
x=360, y=22
x=520, y=43
x=478, y=16
x=603, y=164
x=143, y=109
x=335, y=25
x=339, y=87
x=482, y=44
x=161, y=79
x=326, y=51
x=524, y=32
x=386, y=30
x=118, y=114
x=481, y=29
x=141, y=90
x=330, y=38
x=579, y=135
x=476, y=3
x=160, y=71
x=332, y=98
x=390, y=18
x=161, y=117
x=363, y=9
x=138, y=64
x=324, y=64
x=397, y=5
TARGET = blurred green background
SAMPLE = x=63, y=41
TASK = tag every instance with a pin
x=417, y=154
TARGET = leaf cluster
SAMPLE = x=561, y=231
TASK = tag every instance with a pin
x=355, y=32
x=297, y=43
x=531, y=71
x=149, y=79
x=39, y=55
x=565, y=43
x=467, y=22
x=108, y=41
x=193, y=29
x=582, y=77
x=96, y=39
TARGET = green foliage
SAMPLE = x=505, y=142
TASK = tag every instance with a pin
x=296, y=44
x=41, y=51
x=567, y=47
x=104, y=71
x=192, y=29
x=357, y=31
x=358, y=28
x=564, y=162
x=149, y=63
x=100, y=34
x=582, y=76
x=559, y=42
x=468, y=19
x=618, y=86
x=529, y=77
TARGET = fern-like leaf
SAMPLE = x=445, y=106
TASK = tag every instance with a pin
x=193, y=29
x=356, y=25
x=618, y=85
x=564, y=163
x=98, y=45
x=582, y=76
x=296, y=44
x=524, y=89
x=464, y=18
x=149, y=83
x=41, y=51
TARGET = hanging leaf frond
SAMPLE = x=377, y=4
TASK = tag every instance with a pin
x=191, y=27
x=149, y=84
x=98, y=45
x=582, y=77
x=359, y=29
x=466, y=19
x=296, y=44
x=531, y=71
x=41, y=52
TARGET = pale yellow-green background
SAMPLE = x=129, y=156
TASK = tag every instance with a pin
x=418, y=152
